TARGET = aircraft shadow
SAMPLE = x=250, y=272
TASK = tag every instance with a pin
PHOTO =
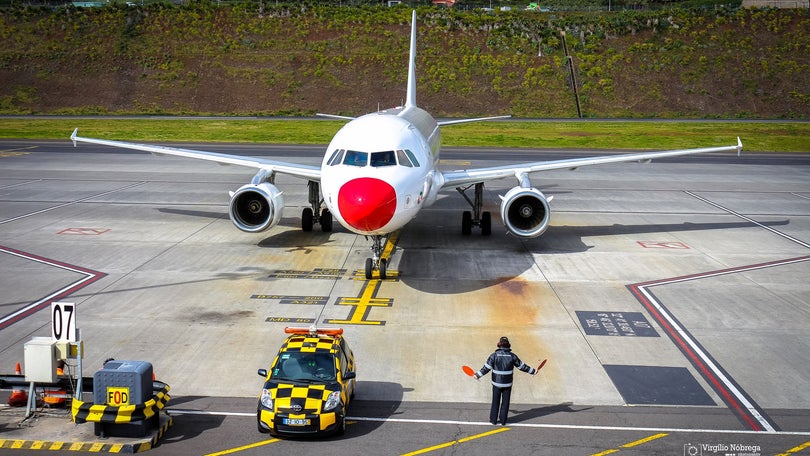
x=193, y=213
x=296, y=239
x=450, y=263
x=569, y=239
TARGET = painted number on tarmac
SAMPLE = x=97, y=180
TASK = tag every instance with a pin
x=632, y=324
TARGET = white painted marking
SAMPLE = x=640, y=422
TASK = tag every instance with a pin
x=70, y=203
x=744, y=217
x=526, y=425
x=88, y=276
x=704, y=357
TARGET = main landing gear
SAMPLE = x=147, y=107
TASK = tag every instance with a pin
x=314, y=214
x=476, y=217
x=377, y=262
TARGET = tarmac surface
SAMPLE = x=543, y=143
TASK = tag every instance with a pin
x=669, y=298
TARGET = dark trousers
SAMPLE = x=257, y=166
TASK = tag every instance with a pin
x=500, y=404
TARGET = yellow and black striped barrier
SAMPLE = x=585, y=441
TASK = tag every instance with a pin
x=84, y=412
x=92, y=447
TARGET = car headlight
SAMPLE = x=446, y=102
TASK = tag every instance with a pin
x=332, y=401
x=267, y=399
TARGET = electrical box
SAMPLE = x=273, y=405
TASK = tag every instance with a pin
x=68, y=350
x=40, y=362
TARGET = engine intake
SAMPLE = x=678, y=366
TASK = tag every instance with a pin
x=256, y=207
x=525, y=212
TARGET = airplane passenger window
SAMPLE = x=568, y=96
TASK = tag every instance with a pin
x=403, y=159
x=355, y=158
x=383, y=158
x=336, y=158
x=412, y=157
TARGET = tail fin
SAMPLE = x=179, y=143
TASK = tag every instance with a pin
x=410, y=99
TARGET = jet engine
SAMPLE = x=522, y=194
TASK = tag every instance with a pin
x=256, y=207
x=525, y=211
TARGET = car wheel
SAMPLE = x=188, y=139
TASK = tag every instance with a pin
x=341, y=425
x=262, y=429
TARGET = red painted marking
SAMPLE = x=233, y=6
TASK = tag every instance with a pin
x=663, y=245
x=696, y=361
x=676, y=335
x=90, y=276
x=84, y=231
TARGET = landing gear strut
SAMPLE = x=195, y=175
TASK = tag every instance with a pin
x=314, y=214
x=476, y=217
x=376, y=262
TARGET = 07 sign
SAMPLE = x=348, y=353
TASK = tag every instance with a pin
x=63, y=322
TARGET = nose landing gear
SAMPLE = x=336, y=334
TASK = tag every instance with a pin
x=377, y=263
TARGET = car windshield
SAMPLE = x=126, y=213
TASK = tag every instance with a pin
x=304, y=367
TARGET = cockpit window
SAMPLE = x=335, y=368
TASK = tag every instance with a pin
x=403, y=159
x=336, y=158
x=355, y=158
x=412, y=157
x=386, y=158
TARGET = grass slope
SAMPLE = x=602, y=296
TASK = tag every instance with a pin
x=202, y=59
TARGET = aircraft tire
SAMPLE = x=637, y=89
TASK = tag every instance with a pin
x=486, y=223
x=307, y=219
x=383, y=268
x=369, y=268
x=466, y=223
x=326, y=221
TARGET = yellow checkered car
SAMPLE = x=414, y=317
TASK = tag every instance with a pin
x=309, y=385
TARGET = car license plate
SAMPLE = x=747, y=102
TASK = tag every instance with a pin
x=296, y=422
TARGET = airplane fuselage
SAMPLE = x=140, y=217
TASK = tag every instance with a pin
x=379, y=170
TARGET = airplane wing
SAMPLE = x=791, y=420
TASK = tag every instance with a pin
x=303, y=171
x=477, y=119
x=470, y=176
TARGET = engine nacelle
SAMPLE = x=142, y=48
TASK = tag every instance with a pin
x=256, y=207
x=525, y=212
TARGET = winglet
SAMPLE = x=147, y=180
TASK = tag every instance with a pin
x=739, y=146
x=410, y=98
x=73, y=136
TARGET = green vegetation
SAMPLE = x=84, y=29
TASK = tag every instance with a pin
x=756, y=136
x=264, y=59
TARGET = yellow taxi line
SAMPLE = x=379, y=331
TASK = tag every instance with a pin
x=244, y=447
x=796, y=449
x=632, y=444
x=455, y=442
x=390, y=244
x=5, y=153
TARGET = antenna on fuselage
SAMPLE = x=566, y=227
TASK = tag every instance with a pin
x=410, y=98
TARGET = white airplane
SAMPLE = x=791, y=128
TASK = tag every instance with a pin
x=381, y=169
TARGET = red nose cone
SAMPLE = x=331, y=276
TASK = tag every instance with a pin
x=367, y=204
